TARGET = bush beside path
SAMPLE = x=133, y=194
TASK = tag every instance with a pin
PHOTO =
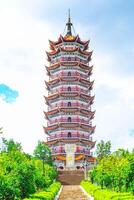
x=105, y=194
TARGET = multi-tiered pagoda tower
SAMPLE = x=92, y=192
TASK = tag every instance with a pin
x=69, y=101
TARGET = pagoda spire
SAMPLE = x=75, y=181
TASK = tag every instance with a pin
x=69, y=24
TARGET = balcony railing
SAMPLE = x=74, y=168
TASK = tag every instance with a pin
x=86, y=152
x=70, y=104
x=66, y=74
x=64, y=120
x=66, y=89
x=61, y=89
x=69, y=137
x=69, y=59
x=49, y=123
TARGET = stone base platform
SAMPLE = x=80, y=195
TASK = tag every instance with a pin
x=70, y=177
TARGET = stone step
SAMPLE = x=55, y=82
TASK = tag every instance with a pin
x=71, y=172
x=70, y=178
x=72, y=192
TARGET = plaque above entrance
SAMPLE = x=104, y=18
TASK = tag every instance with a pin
x=70, y=155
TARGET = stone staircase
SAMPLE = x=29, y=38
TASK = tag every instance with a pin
x=72, y=192
x=70, y=177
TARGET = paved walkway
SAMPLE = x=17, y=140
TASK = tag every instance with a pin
x=72, y=192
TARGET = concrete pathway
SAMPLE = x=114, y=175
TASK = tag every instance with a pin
x=72, y=192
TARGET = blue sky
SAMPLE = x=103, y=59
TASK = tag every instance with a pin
x=26, y=27
x=7, y=94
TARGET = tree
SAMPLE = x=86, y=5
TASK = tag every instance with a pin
x=1, y=131
x=43, y=153
x=10, y=145
x=17, y=174
x=20, y=173
x=131, y=172
x=103, y=149
x=122, y=153
x=115, y=171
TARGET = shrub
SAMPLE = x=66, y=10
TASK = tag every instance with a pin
x=47, y=194
x=104, y=194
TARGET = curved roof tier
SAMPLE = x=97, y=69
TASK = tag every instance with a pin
x=70, y=95
x=90, y=159
x=68, y=39
x=73, y=64
x=68, y=126
x=75, y=49
x=69, y=79
x=75, y=110
x=71, y=140
x=77, y=157
x=76, y=65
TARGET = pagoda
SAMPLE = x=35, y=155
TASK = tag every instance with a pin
x=69, y=127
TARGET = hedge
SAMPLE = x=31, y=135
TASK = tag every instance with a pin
x=104, y=194
x=47, y=194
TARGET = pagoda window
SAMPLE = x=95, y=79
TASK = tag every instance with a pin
x=69, y=89
x=69, y=73
x=82, y=120
x=69, y=134
x=69, y=119
x=83, y=150
x=69, y=58
x=69, y=104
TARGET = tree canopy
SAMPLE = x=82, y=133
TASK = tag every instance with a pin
x=10, y=145
x=103, y=149
x=42, y=152
x=21, y=173
x=115, y=171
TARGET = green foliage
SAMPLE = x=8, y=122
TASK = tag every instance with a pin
x=104, y=194
x=47, y=194
x=1, y=130
x=20, y=173
x=115, y=172
x=8, y=189
x=43, y=152
x=10, y=145
x=103, y=149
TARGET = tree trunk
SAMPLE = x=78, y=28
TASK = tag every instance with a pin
x=120, y=186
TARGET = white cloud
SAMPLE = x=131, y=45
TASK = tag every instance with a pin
x=113, y=119
x=23, y=43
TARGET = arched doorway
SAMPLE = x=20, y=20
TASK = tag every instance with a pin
x=69, y=119
x=69, y=89
x=69, y=104
x=69, y=134
x=69, y=73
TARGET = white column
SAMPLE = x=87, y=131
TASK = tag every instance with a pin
x=70, y=155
